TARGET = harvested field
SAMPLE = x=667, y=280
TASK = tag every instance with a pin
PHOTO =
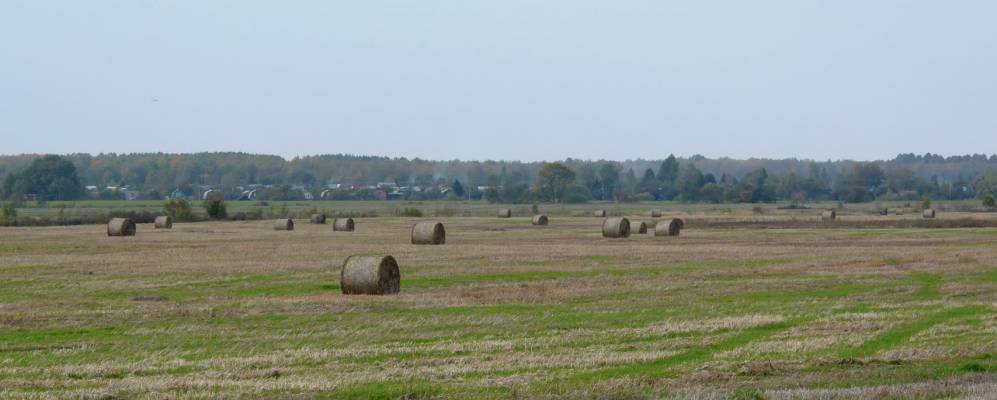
x=237, y=309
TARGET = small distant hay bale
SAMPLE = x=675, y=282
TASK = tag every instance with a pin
x=504, y=213
x=670, y=227
x=828, y=215
x=617, y=227
x=638, y=227
x=429, y=232
x=928, y=213
x=600, y=213
x=655, y=213
x=885, y=211
x=540, y=219
x=164, y=222
x=318, y=218
x=899, y=211
x=120, y=227
x=284, y=224
x=343, y=225
x=375, y=275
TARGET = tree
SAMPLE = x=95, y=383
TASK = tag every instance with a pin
x=609, y=180
x=458, y=189
x=689, y=180
x=553, y=181
x=8, y=214
x=215, y=208
x=988, y=201
x=669, y=170
x=178, y=209
x=48, y=178
x=492, y=195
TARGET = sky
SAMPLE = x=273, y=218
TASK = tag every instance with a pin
x=511, y=80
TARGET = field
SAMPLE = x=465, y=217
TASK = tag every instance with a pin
x=857, y=308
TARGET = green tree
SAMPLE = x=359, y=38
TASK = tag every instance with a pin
x=553, y=181
x=8, y=214
x=609, y=180
x=178, y=209
x=988, y=201
x=48, y=178
x=215, y=208
x=689, y=181
x=458, y=189
x=669, y=170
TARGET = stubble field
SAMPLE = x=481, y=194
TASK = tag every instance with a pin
x=504, y=309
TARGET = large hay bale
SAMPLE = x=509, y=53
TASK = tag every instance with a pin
x=669, y=227
x=284, y=224
x=429, y=232
x=343, y=225
x=504, y=213
x=655, y=213
x=828, y=215
x=318, y=218
x=540, y=219
x=600, y=213
x=120, y=227
x=638, y=227
x=370, y=275
x=164, y=222
x=928, y=213
x=617, y=227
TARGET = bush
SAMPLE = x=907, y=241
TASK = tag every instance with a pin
x=409, y=212
x=989, y=202
x=178, y=209
x=926, y=203
x=215, y=208
x=8, y=215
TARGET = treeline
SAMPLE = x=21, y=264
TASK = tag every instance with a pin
x=694, y=179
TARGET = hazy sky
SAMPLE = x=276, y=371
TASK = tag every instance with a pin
x=528, y=80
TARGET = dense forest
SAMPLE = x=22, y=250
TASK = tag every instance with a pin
x=694, y=179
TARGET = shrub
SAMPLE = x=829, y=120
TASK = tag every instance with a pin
x=410, y=212
x=178, y=209
x=8, y=215
x=926, y=203
x=215, y=208
x=988, y=201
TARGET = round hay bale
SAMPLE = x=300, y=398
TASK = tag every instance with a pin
x=504, y=213
x=540, y=219
x=600, y=213
x=120, y=227
x=617, y=227
x=928, y=213
x=885, y=211
x=681, y=222
x=284, y=224
x=899, y=211
x=670, y=227
x=429, y=232
x=318, y=218
x=638, y=227
x=370, y=275
x=655, y=213
x=343, y=224
x=164, y=222
x=828, y=215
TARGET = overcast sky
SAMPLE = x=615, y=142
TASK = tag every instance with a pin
x=526, y=80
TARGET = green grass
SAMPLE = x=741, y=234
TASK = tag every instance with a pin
x=901, y=335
